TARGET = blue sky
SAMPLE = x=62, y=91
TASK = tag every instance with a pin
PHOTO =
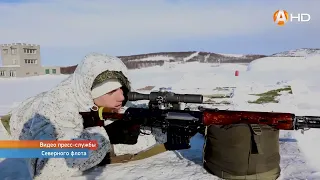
x=67, y=30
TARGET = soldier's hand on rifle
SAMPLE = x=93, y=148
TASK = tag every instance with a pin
x=123, y=132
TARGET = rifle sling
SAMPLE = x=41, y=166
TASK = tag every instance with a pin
x=157, y=149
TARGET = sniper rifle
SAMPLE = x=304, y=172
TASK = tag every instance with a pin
x=180, y=125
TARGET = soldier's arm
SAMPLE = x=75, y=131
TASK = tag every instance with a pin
x=44, y=129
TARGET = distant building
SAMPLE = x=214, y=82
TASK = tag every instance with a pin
x=23, y=60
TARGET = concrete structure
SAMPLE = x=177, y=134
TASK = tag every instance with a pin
x=23, y=60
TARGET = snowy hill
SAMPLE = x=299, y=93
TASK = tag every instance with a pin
x=303, y=52
x=299, y=152
x=278, y=63
x=191, y=56
x=162, y=58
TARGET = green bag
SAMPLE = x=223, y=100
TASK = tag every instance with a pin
x=242, y=150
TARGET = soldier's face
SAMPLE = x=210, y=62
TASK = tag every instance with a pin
x=112, y=100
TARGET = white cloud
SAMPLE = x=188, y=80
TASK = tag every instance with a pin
x=82, y=23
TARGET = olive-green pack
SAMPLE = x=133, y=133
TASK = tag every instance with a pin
x=242, y=150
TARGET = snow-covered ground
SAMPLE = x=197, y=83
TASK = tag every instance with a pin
x=299, y=159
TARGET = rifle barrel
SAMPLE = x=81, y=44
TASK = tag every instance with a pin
x=307, y=122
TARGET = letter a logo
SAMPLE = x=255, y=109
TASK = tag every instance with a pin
x=280, y=17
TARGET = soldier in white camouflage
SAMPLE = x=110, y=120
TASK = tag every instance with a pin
x=99, y=80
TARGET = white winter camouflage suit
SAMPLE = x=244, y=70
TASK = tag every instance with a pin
x=55, y=115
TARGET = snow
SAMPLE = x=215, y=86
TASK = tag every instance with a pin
x=299, y=157
x=191, y=56
x=232, y=55
x=285, y=63
x=206, y=58
x=156, y=58
x=22, y=88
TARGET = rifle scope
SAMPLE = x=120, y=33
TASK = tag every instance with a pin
x=168, y=97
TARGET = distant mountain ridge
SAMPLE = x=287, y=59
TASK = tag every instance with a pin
x=302, y=52
x=159, y=58
x=151, y=59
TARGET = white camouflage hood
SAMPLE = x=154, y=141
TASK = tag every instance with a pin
x=88, y=70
